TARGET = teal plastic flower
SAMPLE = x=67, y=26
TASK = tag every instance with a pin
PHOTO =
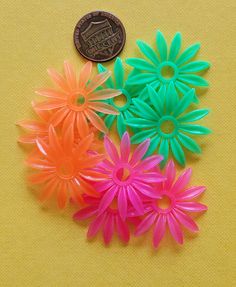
x=122, y=103
x=168, y=123
x=163, y=67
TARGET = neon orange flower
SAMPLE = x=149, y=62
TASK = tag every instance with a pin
x=77, y=101
x=65, y=167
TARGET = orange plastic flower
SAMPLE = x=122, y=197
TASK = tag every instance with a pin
x=77, y=101
x=37, y=128
x=65, y=166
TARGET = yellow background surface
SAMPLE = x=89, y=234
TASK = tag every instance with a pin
x=43, y=247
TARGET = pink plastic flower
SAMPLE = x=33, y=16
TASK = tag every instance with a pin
x=109, y=221
x=129, y=177
x=178, y=202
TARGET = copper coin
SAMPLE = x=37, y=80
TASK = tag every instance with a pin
x=99, y=36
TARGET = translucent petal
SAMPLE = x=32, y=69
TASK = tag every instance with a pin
x=145, y=224
x=141, y=64
x=153, y=145
x=177, y=151
x=103, y=108
x=111, y=150
x=108, y=229
x=184, y=103
x=58, y=79
x=141, y=136
x=139, y=152
x=97, y=81
x=85, y=213
x=182, y=181
x=107, y=199
x=148, y=52
x=194, y=115
x=96, y=120
x=50, y=105
x=109, y=120
x=164, y=150
x=191, y=193
x=145, y=110
x=122, y=203
x=191, y=206
x=135, y=200
x=185, y=220
x=155, y=99
x=159, y=230
x=141, y=79
x=194, y=67
x=140, y=123
x=170, y=174
x=175, y=47
x=195, y=129
x=85, y=74
x=188, y=54
x=121, y=127
x=70, y=75
x=122, y=229
x=62, y=195
x=119, y=73
x=161, y=45
x=193, y=80
x=125, y=147
x=172, y=98
x=175, y=229
x=189, y=143
x=96, y=225
x=104, y=94
x=109, y=83
x=50, y=93
x=49, y=188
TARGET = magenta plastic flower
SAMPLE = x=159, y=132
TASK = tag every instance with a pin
x=108, y=221
x=171, y=210
x=129, y=178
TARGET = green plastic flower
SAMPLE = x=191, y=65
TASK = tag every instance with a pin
x=164, y=67
x=128, y=92
x=168, y=123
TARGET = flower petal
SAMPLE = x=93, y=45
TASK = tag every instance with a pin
x=184, y=103
x=193, y=80
x=159, y=230
x=144, y=110
x=164, y=150
x=175, y=229
x=148, y=52
x=125, y=147
x=122, y=229
x=161, y=45
x=50, y=105
x=122, y=203
x=194, y=67
x=177, y=151
x=59, y=116
x=109, y=120
x=150, y=162
x=140, y=123
x=188, y=54
x=153, y=145
x=85, y=213
x=182, y=181
x=141, y=79
x=135, y=200
x=157, y=98
x=141, y=64
x=141, y=136
x=58, y=79
x=50, y=93
x=97, y=81
x=194, y=115
x=111, y=149
x=170, y=173
x=185, y=220
x=139, y=152
x=62, y=195
x=104, y=94
x=119, y=73
x=108, y=229
x=85, y=74
x=103, y=108
x=191, y=193
x=121, y=125
x=195, y=129
x=107, y=199
x=70, y=75
x=175, y=47
x=145, y=224
x=191, y=206
x=95, y=120
x=145, y=189
x=109, y=83
x=189, y=143
x=49, y=188
x=82, y=125
x=96, y=225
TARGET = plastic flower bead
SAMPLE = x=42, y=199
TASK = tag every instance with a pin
x=127, y=93
x=108, y=221
x=65, y=167
x=36, y=128
x=78, y=100
x=168, y=123
x=129, y=177
x=163, y=67
x=173, y=207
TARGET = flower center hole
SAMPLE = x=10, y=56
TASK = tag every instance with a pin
x=164, y=202
x=167, y=127
x=167, y=72
x=123, y=174
x=80, y=100
x=120, y=101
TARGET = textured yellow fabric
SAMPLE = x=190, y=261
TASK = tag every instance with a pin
x=43, y=247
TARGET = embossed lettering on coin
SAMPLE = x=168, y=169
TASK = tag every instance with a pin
x=99, y=36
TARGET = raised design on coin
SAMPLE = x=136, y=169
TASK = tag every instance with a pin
x=99, y=36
